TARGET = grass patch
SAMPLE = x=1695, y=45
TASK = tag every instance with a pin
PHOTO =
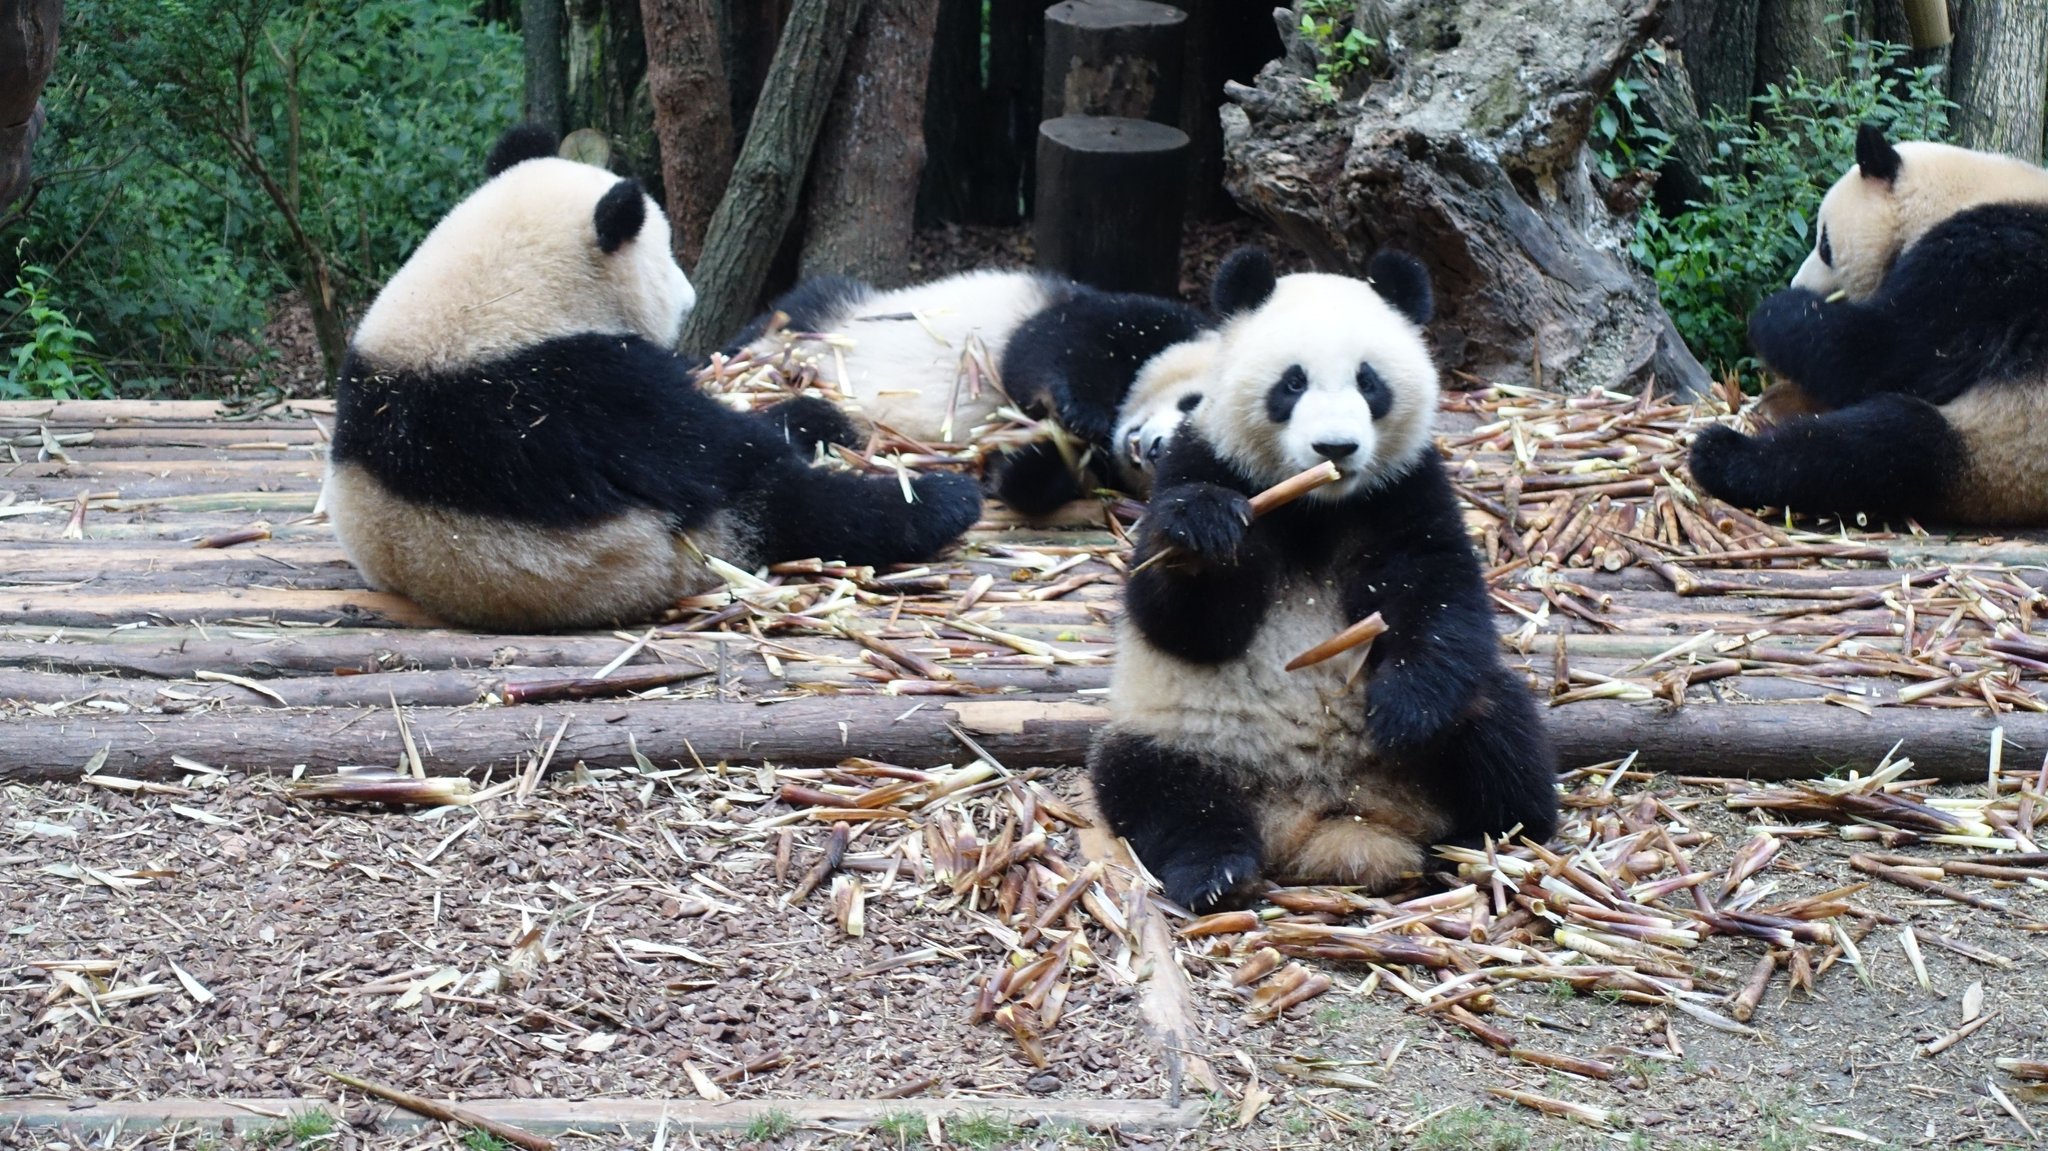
x=769, y=1126
x=905, y=1129
x=1471, y=1129
x=982, y=1132
x=301, y=1128
x=478, y=1139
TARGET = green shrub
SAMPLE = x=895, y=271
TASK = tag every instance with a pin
x=1340, y=50
x=48, y=359
x=181, y=132
x=1746, y=236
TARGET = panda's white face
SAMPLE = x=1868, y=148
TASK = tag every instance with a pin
x=1324, y=369
x=520, y=261
x=1166, y=390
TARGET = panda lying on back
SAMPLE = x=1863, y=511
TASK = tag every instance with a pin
x=515, y=446
x=1919, y=330
x=1220, y=766
x=1058, y=348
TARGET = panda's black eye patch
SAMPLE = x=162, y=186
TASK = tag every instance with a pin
x=1827, y=250
x=1378, y=396
x=1286, y=393
x=1190, y=402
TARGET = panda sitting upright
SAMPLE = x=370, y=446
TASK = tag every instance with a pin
x=516, y=447
x=1220, y=766
x=1056, y=348
x=1918, y=329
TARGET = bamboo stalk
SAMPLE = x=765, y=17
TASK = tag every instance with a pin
x=445, y=1112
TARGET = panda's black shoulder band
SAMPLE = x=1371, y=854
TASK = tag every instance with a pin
x=518, y=144
x=1243, y=282
x=621, y=213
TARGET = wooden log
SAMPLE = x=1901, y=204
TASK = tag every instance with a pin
x=1114, y=58
x=1110, y=195
x=1766, y=741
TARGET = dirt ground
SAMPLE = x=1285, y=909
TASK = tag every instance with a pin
x=623, y=934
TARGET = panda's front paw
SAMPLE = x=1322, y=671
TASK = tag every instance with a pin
x=1722, y=462
x=808, y=421
x=1034, y=480
x=1204, y=520
x=1788, y=328
x=948, y=504
x=1402, y=712
x=1201, y=884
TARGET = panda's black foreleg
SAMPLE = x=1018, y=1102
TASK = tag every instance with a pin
x=799, y=512
x=1493, y=768
x=1034, y=480
x=1887, y=455
x=1188, y=823
x=1837, y=353
x=807, y=421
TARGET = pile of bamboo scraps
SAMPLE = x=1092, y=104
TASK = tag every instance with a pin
x=976, y=841
x=1623, y=901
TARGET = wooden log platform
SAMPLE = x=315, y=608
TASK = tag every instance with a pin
x=1654, y=621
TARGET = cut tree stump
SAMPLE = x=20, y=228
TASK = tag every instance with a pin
x=1472, y=156
x=1110, y=195
x=1114, y=58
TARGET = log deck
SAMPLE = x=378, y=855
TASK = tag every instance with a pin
x=119, y=636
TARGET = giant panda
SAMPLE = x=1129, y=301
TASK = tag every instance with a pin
x=935, y=361
x=1916, y=337
x=516, y=447
x=1218, y=765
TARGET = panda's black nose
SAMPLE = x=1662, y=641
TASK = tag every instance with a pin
x=1336, y=450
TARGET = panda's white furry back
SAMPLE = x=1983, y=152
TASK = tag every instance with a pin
x=517, y=447
x=1219, y=765
x=934, y=362
x=1913, y=345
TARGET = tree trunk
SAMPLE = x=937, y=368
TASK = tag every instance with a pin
x=607, y=84
x=1492, y=192
x=767, y=180
x=28, y=50
x=1008, y=140
x=862, y=198
x=1999, y=76
x=1797, y=35
x=1114, y=58
x=952, y=112
x=547, y=65
x=1109, y=211
x=692, y=114
x=1719, y=41
x=752, y=30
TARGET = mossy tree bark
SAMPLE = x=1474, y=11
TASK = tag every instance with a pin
x=547, y=64
x=692, y=114
x=768, y=178
x=1999, y=75
x=1719, y=41
x=1471, y=153
x=28, y=50
x=861, y=204
x=1803, y=36
x=607, y=84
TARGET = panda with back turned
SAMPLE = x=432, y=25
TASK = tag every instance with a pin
x=1219, y=766
x=517, y=447
x=1054, y=347
x=1915, y=338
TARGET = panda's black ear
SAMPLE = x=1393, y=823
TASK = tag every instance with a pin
x=524, y=142
x=1402, y=281
x=1875, y=154
x=1243, y=282
x=621, y=213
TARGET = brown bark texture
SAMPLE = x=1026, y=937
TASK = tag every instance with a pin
x=1718, y=41
x=1999, y=76
x=1798, y=35
x=1472, y=155
x=607, y=83
x=28, y=50
x=547, y=66
x=692, y=115
x=861, y=203
x=761, y=199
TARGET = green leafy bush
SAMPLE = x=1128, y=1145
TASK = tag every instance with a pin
x=1340, y=50
x=1745, y=237
x=49, y=359
x=202, y=158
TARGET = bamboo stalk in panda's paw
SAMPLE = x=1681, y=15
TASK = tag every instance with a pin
x=1278, y=496
x=1357, y=635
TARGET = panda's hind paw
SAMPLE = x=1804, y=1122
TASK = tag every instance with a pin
x=950, y=504
x=1720, y=461
x=808, y=421
x=1204, y=883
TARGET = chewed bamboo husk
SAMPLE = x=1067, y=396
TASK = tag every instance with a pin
x=1360, y=634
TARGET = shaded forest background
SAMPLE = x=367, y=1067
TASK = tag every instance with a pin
x=221, y=187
